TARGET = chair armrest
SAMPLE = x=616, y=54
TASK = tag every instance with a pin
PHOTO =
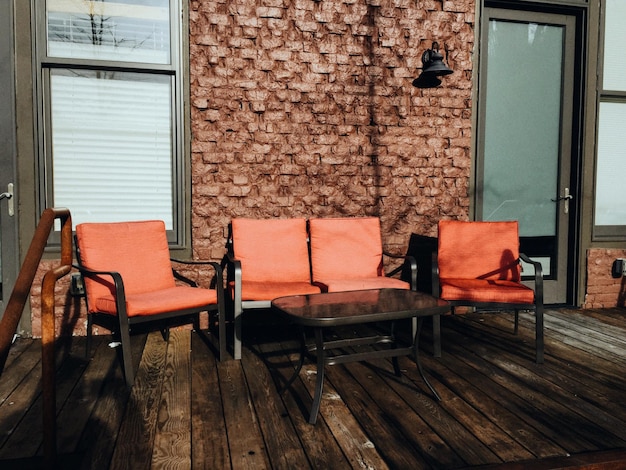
x=219, y=279
x=538, y=276
x=408, y=261
x=235, y=264
x=118, y=283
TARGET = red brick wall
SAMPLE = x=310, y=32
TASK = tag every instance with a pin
x=306, y=108
x=602, y=289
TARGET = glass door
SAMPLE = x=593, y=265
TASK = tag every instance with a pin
x=8, y=230
x=525, y=134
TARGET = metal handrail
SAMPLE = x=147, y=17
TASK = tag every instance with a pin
x=15, y=307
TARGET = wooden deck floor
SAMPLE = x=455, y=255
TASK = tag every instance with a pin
x=498, y=410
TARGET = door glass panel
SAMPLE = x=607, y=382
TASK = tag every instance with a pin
x=522, y=130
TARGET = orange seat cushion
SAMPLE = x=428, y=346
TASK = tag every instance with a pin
x=379, y=282
x=137, y=250
x=272, y=251
x=260, y=290
x=345, y=249
x=479, y=290
x=162, y=301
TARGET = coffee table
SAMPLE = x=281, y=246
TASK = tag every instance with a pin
x=320, y=311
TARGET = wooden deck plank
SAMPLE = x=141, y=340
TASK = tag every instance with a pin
x=520, y=419
x=318, y=442
x=355, y=443
x=67, y=374
x=20, y=389
x=247, y=448
x=357, y=447
x=462, y=440
x=79, y=402
x=97, y=442
x=382, y=412
x=600, y=426
x=478, y=413
x=172, y=441
x=135, y=442
x=209, y=448
x=582, y=433
x=583, y=386
x=281, y=439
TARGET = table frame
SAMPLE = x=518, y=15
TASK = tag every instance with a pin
x=321, y=347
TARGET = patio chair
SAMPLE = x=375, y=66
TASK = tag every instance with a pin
x=129, y=280
x=347, y=254
x=478, y=265
x=269, y=259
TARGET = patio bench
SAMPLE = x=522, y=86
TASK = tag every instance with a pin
x=272, y=258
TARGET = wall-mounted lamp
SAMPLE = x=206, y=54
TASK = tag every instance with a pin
x=433, y=68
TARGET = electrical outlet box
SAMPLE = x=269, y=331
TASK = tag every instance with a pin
x=77, y=288
x=619, y=268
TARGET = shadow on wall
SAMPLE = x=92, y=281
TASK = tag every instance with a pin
x=621, y=298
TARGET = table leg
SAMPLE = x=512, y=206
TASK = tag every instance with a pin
x=319, y=381
x=394, y=359
x=296, y=372
x=437, y=335
x=417, y=358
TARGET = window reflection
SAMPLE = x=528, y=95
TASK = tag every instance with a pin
x=123, y=30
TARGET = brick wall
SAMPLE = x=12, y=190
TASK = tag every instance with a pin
x=306, y=108
x=602, y=289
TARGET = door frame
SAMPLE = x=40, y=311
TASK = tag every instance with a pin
x=569, y=241
x=8, y=223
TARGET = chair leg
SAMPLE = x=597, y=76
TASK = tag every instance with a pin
x=436, y=335
x=126, y=356
x=222, y=333
x=539, y=340
x=516, y=324
x=237, y=341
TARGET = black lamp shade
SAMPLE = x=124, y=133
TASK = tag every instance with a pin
x=433, y=68
x=433, y=62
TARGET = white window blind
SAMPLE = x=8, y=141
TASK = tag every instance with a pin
x=112, y=145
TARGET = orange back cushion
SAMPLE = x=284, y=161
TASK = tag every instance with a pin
x=272, y=250
x=478, y=250
x=137, y=250
x=345, y=248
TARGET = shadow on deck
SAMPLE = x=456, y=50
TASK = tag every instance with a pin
x=499, y=409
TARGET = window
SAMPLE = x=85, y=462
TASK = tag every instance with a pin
x=110, y=89
x=610, y=192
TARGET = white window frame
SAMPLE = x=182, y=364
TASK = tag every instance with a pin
x=172, y=71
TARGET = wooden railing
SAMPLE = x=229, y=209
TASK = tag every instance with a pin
x=15, y=307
